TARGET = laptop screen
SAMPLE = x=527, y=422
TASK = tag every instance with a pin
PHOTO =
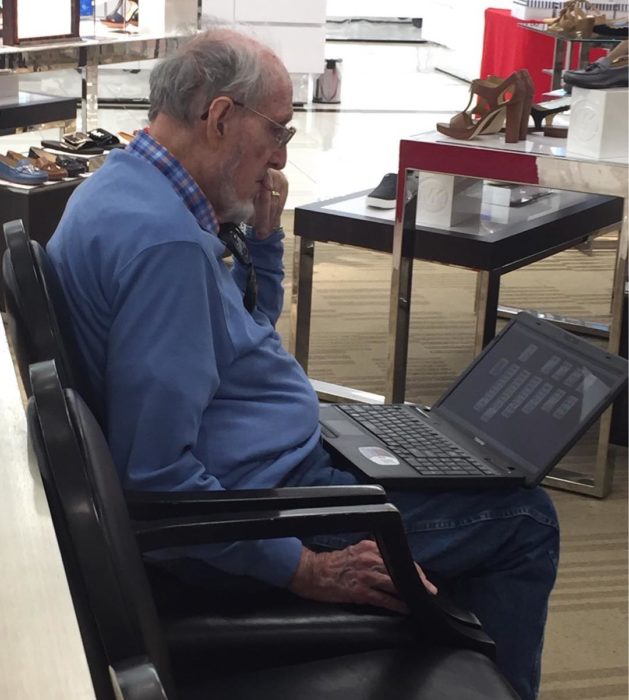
x=533, y=391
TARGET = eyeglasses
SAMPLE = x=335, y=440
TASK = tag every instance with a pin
x=283, y=134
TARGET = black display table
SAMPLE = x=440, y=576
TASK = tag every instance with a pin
x=35, y=109
x=529, y=233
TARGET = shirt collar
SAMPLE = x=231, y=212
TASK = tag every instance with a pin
x=145, y=146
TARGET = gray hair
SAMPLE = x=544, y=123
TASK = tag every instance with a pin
x=217, y=62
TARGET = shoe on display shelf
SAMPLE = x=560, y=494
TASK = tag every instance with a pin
x=104, y=139
x=383, y=196
x=114, y=21
x=616, y=29
x=52, y=170
x=577, y=17
x=611, y=71
x=117, y=20
x=21, y=172
x=78, y=143
x=506, y=104
x=74, y=166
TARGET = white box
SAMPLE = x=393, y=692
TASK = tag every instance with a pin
x=506, y=194
x=541, y=9
x=598, y=123
x=535, y=9
x=447, y=200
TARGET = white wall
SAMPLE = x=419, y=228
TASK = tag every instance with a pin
x=375, y=8
x=223, y=9
x=458, y=25
x=295, y=30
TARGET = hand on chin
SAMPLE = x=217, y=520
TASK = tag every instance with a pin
x=269, y=203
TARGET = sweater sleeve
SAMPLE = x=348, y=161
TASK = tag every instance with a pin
x=267, y=258
x=166, y=345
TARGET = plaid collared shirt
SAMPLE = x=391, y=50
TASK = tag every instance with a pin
x=147, y=147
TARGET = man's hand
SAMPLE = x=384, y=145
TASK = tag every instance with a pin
x=356, y=574
x=269, y=203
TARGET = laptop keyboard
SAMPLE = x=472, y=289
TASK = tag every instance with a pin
x=416, y=442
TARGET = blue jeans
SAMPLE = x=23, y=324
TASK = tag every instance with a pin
x=497, y=550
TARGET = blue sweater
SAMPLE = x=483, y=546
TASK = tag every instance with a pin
x=198, y=394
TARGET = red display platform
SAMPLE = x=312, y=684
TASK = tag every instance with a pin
x=508, y=47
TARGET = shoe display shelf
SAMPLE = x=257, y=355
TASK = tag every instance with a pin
x=40, y=207
x=476, y=234
x=569, y=51
x=538, y=161
x=29, y=111
x=86, y=55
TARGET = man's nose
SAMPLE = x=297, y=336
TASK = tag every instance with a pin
x=278, y=158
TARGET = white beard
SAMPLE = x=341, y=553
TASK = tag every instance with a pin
x=231, y=208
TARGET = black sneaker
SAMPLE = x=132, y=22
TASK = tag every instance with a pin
x=383, y=197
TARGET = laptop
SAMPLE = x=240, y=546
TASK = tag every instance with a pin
x=506, y=420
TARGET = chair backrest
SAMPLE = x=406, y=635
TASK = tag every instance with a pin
x=78, y=471
x=39, y=319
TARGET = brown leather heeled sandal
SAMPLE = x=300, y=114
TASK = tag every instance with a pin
x=505, y=104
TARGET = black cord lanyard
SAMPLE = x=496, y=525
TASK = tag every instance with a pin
x=233, y=238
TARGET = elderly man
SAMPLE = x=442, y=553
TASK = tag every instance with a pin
x=198, y=392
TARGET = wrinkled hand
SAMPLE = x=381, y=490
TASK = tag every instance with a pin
x=356, y=574
x=268, y=207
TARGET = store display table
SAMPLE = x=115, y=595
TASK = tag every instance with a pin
x=30, y=109
x=86, y=54
x=537, y=161
x=497, y=241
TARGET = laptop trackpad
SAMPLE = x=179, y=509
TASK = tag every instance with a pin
x=342, y=427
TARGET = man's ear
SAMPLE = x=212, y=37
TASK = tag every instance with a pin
x=220, y=111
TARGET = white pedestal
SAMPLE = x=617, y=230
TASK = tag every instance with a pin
x=447, y=200
x=164, y=16
x=598, y=123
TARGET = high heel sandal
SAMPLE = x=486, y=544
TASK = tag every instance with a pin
x=501, y=109
x=527, y=102
x=576, y=17
x=544, y=112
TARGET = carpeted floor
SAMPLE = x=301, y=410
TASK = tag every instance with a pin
x=586, y=647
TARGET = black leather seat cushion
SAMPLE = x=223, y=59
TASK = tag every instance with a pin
x=239, y=625
x=379, y=675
